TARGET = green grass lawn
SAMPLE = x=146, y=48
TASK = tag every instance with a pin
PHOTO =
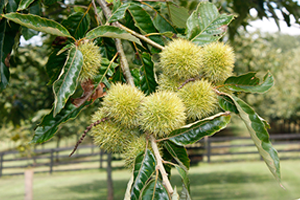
x=244, y=180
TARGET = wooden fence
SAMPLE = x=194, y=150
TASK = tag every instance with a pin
x=232, y=149
x=211, y=149
x=55, y=160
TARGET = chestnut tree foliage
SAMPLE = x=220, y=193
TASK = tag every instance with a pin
x=155, y=68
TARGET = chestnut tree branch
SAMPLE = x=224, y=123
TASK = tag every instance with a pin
x=123, y=60
x=160, y=166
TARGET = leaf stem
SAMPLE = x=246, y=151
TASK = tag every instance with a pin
x=160, y=166
x=123, y=60
x=142, y=37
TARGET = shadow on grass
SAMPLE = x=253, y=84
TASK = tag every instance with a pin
x=206, y=186
x=225, y=186
x=96, y=190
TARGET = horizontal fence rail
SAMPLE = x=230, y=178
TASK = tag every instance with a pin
x=54, y=160
x=210, y=149
x=231, y=149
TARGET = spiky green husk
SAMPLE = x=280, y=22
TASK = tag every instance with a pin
x=199, y=99
x=218, y=62
x=91, y=60
x=182, y=59
x=162, y=112
x=109, y=135
x=168, y=84
x=123, y=103
x=134, y=147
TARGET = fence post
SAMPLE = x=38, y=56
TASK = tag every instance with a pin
x=1, y=160
x=51, y=161
x=208, y=149
x=101, y=158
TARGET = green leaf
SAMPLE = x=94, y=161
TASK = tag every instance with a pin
x=185, y=195
x=28, y=33
x=66, y=83
x=49, y=2
x=38, y=23
x=179, y=15
x=191, y=133
x=144, y=167
x=179, y=153
x=111, y=32
x=24, y=4
x=148, y=83
x=226, y=103
x=49, y=125
x=257, y=128
x=119, y=13
x=2, y=5
x=7, y=40
x=77, y=24
x=249, y=83
x=54, y=65
x=162, y=24
x=155, y=190
x=4, y=72
x=4, y=76
x=11, y=6
x=184, y=176
x=144, y=23
x=205, y=25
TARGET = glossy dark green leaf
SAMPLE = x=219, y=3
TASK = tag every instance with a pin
x=144, y=167
x=49, y=125
x=144, y=23
x=2, y=5
x=148, y=83
x=257, y=128
x=66, y=83
x=77, y=24
x=4, y=76
x=38, y=23
x=183, y=173
x=4, y=72
x=11, y=6
x=191, y=133
x=28, y=33
x=111, y=32
x=107, y=69
x=227, y=104
x=119, y=13
x=24, y=4
x=162, y=24
x=179, y=153
x=49, y=2
x=155, y=190
x=179, y=15
x=206, y=24
x=249, y=83
x=7, y=40
x=54, y=65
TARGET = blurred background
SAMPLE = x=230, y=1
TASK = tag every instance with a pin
x=265, y=37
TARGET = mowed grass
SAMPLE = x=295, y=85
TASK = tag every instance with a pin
x=243, y=180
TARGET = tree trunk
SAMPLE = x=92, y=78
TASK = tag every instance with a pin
x=110, y=188
x=28, y=184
